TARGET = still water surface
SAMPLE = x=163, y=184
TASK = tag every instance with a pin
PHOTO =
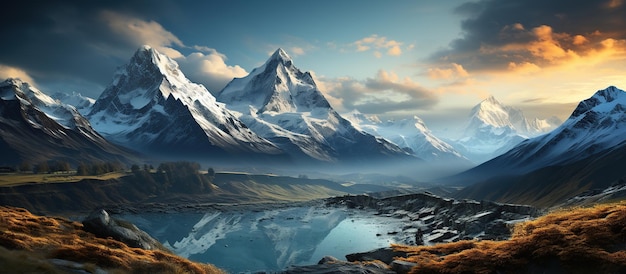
x=269, y=240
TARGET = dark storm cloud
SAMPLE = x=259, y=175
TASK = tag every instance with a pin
x=62, y=39
x=497, y=32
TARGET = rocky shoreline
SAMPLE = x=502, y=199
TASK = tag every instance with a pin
x=430, y=219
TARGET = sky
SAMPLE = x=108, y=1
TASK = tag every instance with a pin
x=430, y=58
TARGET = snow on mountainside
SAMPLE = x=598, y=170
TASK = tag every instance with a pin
x=586, y=152
x=284, y=105
x=64, y=114
x=597, y=124
x=494, y=128
x=82, y=103
x=407, y=133
x=34, y=127
x=151, y=105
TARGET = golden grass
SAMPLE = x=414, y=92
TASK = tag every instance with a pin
x=578, y=240
x=48, y=237
x=27, y=178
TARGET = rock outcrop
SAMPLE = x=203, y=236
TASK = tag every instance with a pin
x=101, y=224
x=329, y=264
x=432, y=219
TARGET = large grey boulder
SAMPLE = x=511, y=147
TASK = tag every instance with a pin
x=101, y=224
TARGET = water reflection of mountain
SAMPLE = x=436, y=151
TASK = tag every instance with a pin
x=244, y=240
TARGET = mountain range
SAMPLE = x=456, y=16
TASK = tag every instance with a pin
x=151, y=106
x=277, y=116
x=586, y=152
x=494, y=128
x=409, y=133
x=283, y=105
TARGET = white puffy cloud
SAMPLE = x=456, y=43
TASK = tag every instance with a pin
x=378, y=43
x=210, y=69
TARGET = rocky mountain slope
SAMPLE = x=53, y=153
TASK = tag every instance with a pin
x=36, y=128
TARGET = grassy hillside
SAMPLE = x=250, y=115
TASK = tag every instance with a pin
x=37, y=244
x=579, y=240
x=17, y=179
x=142, y=187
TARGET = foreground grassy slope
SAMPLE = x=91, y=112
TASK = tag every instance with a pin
x=28, y=243
x=581, y=240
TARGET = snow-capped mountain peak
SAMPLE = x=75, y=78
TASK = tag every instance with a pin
x=608, y=95
x=491, y=112
x=284, y=105
x=280, y=55
x=494, y=128
x=151, y=104
x=276, y=86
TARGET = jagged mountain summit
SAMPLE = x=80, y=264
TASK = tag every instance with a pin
x=150, y=105
x=36, y=128
x=410, y=133
x=494, y=128
x=283, y=104
x=586, y=152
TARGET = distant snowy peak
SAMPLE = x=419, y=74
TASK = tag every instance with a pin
x=494, y=128
x=598, y=124
x=492, y=113
x=82, y=103
x=276, y=86
x=410, y=133
x=358, y=119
